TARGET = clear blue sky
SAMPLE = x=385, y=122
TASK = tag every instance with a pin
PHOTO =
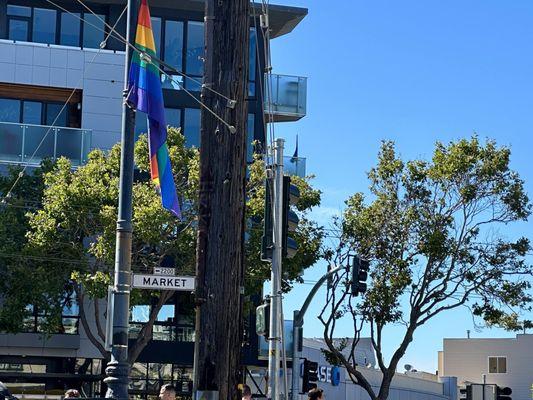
x=414, y=72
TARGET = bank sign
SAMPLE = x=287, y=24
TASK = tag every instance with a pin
x=327, y=374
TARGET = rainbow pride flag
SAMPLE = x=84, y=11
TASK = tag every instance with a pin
x=145, y=94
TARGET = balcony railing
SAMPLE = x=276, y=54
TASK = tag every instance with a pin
x=294, y=166
x=29, y=144
x=287, y=98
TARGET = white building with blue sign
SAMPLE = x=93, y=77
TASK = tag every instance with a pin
x=337, y=385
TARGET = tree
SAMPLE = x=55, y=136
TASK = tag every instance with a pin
x=430, y=232
x=57, y=237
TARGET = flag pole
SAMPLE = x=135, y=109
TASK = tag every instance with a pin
x=117, y=370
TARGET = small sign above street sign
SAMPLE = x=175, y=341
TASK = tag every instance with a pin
x=164, y=282
x=164, y=271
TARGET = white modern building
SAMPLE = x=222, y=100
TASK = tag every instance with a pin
x=505, y=362
x=405, y=385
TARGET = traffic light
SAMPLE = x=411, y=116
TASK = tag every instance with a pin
x=262, y=319
x=310, y=375
x=267, y=243
x=503, y=393
x=291, y=194
x=466, y=393
x=359, y=275
x=289, y=219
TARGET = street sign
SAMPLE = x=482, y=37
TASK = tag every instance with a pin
x=164, y=282
x=164, y=271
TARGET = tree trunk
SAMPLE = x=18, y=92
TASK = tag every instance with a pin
x=220, y=245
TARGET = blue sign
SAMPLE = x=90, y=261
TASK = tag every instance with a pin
x=327, y=374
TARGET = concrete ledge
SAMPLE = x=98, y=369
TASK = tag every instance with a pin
x=40, y=340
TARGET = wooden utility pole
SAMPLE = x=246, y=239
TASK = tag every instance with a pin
x=220, y=246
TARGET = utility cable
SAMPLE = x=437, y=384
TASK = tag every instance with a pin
x=21, y=173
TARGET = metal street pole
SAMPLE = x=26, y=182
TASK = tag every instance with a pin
x=117, y=370
x=275, y=291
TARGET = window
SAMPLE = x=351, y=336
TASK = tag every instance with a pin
x=156, y=29
x=93, y=30
x=56, y=112
x=32, y=112
x=70, y=29
x=9, y=110
x=173, y=52
x=147, y=379
x=497, y=365
x=175, y=321
x=252, y=66
x=19, y=18
x=250, y=138
x=18, y=30
x=191, y=128
x=44, y=25
x=195, y=53
x=35, y=318
x=172, y=115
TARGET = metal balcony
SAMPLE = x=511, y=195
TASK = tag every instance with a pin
x=287, y=98
x=28, y=144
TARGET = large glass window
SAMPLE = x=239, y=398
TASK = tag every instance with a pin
x=195, y=52
x=252, y=66
x=44, y=25
x=9, y=110
x=93, y=30
x=18, y=21
x=156, y=29
x=39, y=25
x=32, y=112
x=173, y=117
x=250, y=138
x=54, y=110
x=18, y=11
x=18, y=30
x=191, y=128
x=174, y=44
x=70, y=29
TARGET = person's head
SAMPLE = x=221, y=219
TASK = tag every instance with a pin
x=167, y=392
x=316, y=394
x=246, y=392
x=72, y=394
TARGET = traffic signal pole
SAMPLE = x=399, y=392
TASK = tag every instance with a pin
x=298, y=323
x=274, y=339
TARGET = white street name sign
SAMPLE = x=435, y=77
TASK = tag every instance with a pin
x=163, y=282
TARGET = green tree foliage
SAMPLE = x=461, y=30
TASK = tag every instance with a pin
x=435, y=235
x=68, y=242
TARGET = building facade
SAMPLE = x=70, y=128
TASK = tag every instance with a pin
x=336, y=383
x=504, y=362
x=61, y=82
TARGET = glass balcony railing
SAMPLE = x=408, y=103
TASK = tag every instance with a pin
x=287, y=98
x=294, y=166
x=29, y=144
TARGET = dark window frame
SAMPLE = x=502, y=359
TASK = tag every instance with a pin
x=99, y=10
x=44, y=110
